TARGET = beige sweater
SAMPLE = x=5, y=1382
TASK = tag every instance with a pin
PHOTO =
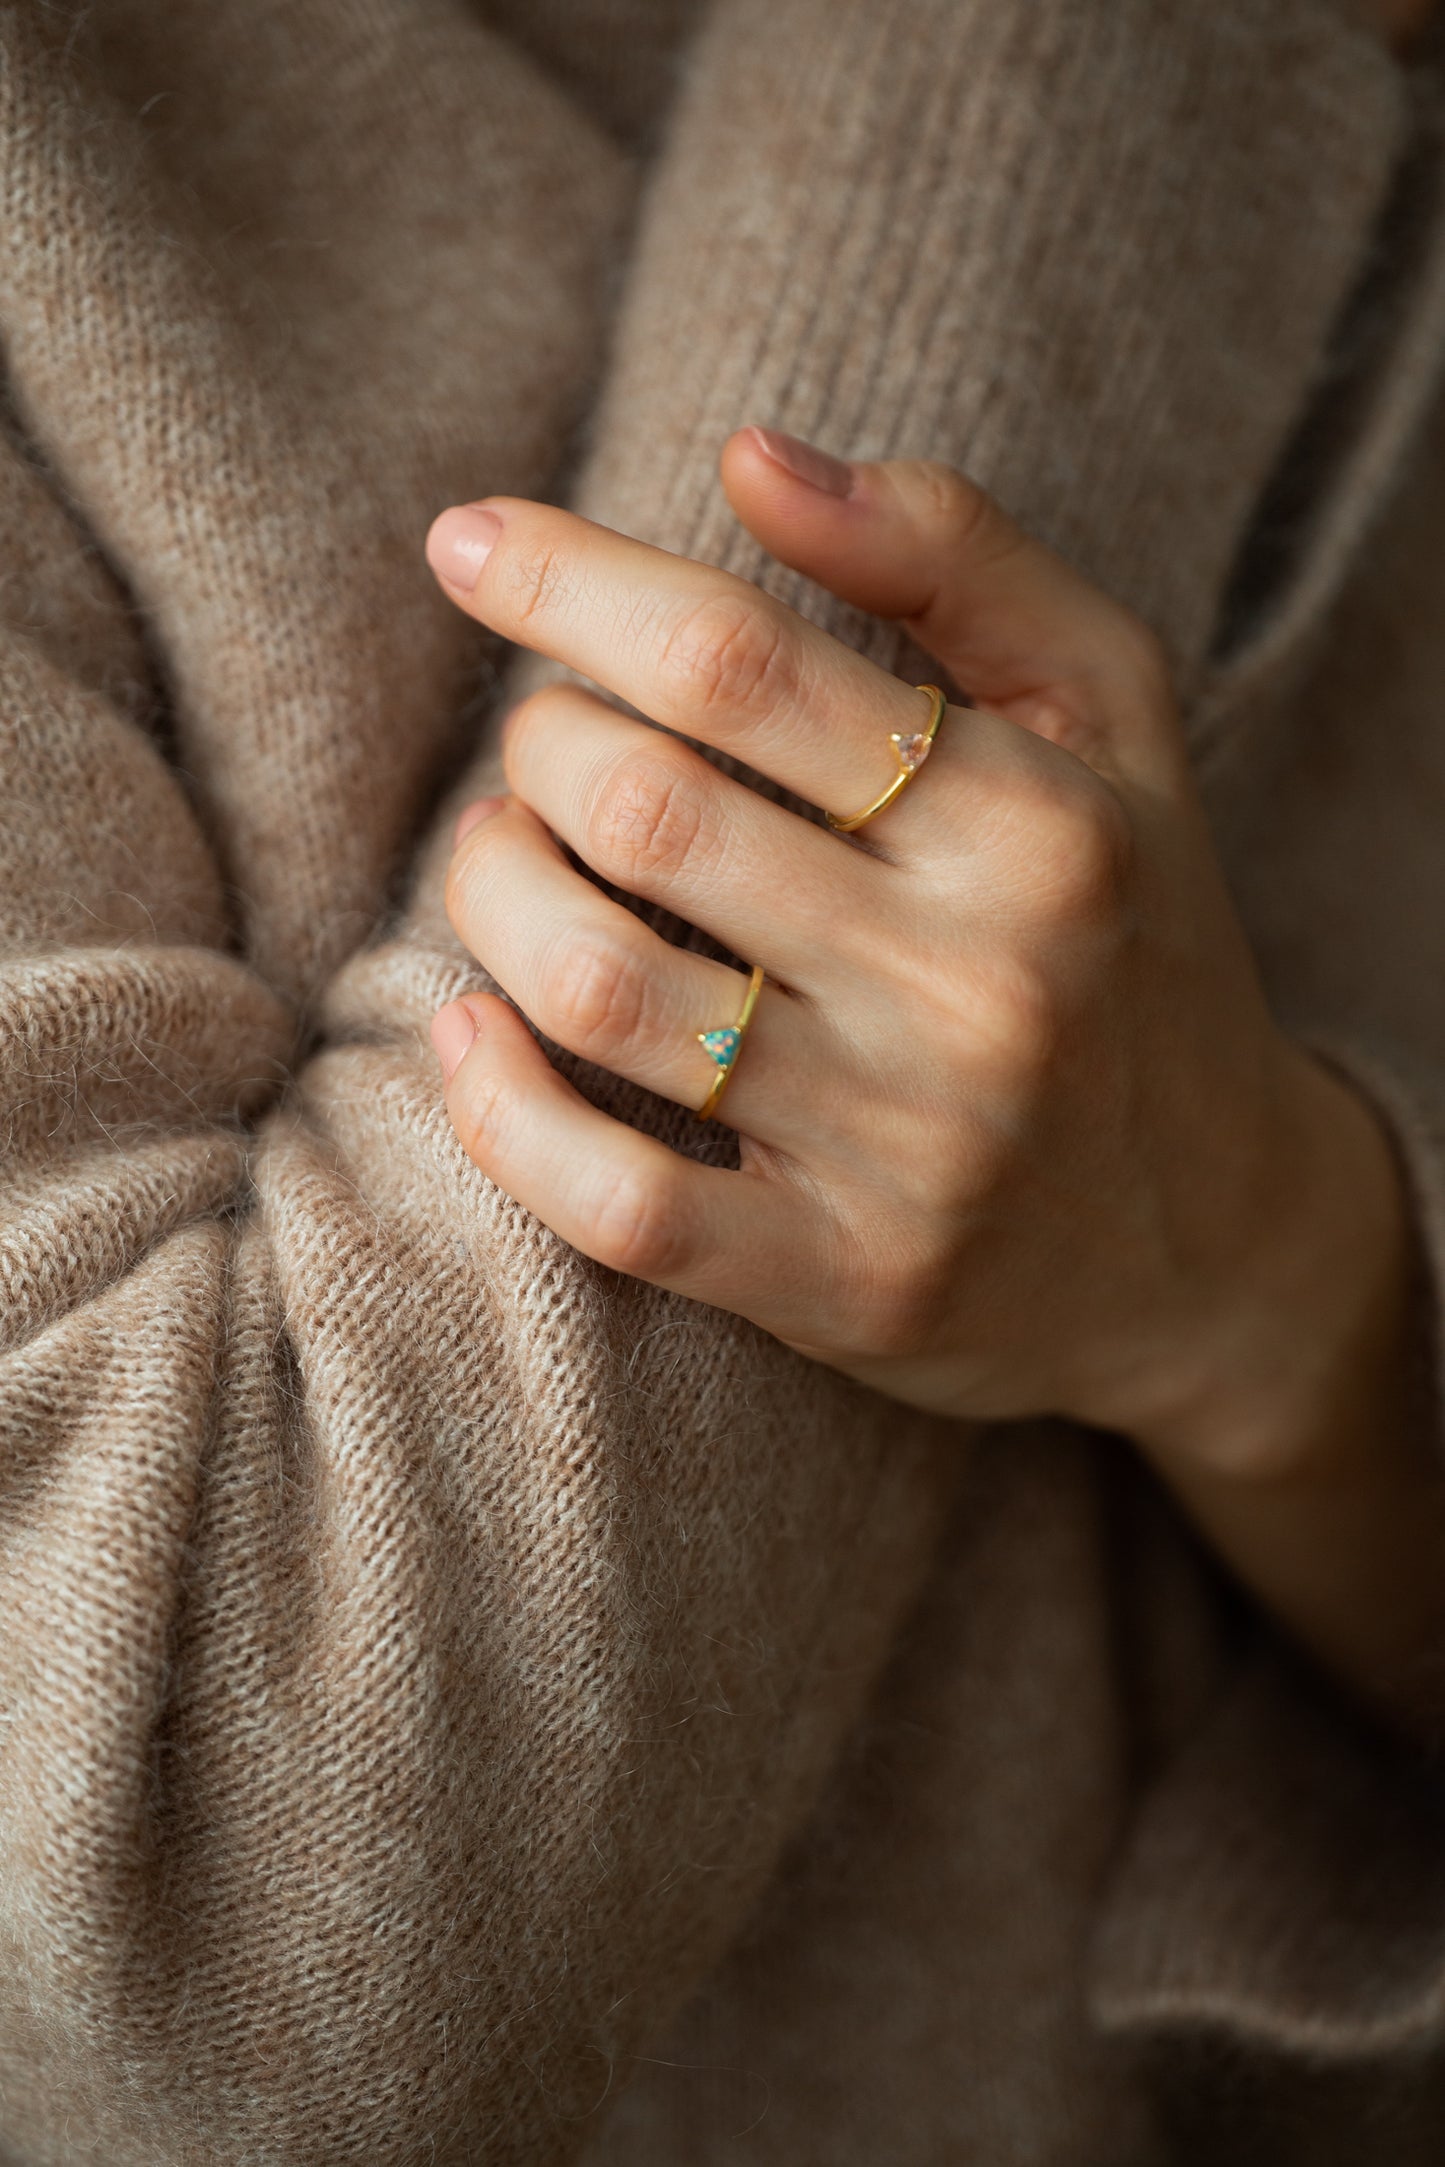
x=424, y=1657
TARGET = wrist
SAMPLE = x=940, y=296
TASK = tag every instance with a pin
x=1308, y=1456
x=1309, y=1322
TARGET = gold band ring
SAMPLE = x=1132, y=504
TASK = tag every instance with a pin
x=911, y=748
x=724, y=1044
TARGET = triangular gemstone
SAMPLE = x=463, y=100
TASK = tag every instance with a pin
x=722, y=1044
x=912, y=748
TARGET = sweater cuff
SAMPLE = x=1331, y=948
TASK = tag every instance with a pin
x=1283, y=1884
x=1283, y=1888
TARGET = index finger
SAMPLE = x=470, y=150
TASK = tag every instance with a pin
x=696, y=649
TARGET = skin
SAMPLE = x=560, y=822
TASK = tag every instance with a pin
x=1018, y=1133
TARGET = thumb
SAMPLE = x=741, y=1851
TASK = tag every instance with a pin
x=1015, y=625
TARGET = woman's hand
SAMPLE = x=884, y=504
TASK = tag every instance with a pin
x=1018, y=1133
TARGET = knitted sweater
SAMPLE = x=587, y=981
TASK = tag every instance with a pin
x=424, y=1655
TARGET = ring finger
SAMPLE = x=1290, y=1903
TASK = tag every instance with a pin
x=596, y=980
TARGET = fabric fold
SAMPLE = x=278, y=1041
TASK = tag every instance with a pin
x=1284, y=1886
x=423, y=1645
x=271, y=241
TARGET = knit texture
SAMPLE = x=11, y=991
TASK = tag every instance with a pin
x=419, y=1648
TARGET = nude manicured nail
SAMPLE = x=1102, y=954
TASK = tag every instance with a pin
x=819, y=468
x=453, y=1029
x=460, y=543
x=470, y=815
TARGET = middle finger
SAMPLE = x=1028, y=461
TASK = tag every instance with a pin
x=650, y=815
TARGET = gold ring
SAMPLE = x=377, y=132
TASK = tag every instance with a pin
x=911, y=748
x=724, y=1044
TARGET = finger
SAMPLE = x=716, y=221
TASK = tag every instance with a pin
x=697, y=649
x=1013, y=622
x=996, y=817
x=738, y=1240
x=596, y=980
x=653, y=817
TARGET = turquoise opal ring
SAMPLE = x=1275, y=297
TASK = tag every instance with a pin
x=910, y=749
x=724, y=1043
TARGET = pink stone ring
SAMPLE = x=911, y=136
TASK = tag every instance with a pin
x=910, y=748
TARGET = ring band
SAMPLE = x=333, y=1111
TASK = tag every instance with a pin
x=911, y=748
x=724, y=1044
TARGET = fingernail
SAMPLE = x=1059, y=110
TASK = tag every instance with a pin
x=453, y=1029
x=481, y=809
x=460, y=543
x=819, y=468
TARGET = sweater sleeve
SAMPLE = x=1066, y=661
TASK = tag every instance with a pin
x=417, y=1644
x=414, y=1643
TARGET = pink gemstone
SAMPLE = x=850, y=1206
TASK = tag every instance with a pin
x=912, y=748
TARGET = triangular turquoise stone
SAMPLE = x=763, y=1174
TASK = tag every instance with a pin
x=722, y=1044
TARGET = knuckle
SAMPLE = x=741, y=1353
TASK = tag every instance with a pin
x=648, y=818
x=1017, y=1018
x=595, y=996
x=728, y=653
x=900, y=1299
x=638, y=1226
x=467, y=873
x=1084, y=856
x=485, y=1116
x=535, y=575
x=964, y=518
x=530, y=713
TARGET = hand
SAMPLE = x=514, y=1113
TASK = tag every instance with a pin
x=1017, y=1131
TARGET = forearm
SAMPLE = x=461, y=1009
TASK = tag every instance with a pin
x=1308, y=1458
